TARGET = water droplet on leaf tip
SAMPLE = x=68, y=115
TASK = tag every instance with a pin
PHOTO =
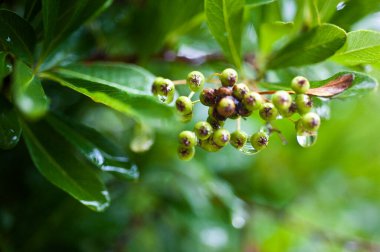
x=248, y=149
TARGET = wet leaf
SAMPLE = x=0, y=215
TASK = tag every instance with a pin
x=10, y=128
x=60, y=162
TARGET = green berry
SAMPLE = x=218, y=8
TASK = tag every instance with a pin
x=207, y=97
x=209, y=145
x=228, y=77
x=300, y=85
x=186, y=118
x=185, y=153
x=221, y=137
x=215, y=123
x=195, y=80
x=226, y=107
x=311, y=121
x=238, y=139
x=239, y=90
x=187, y=138
x=252, y=101
x=290, y=111
x=184, y=105
x=304, y=103
x=203, y=130
x=259, y=140
x=282, y=100
x=156, y=85
x=268, y=112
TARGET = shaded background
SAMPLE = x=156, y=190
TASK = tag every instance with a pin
x=326, y=198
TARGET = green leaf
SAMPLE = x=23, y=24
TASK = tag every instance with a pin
x=5, y=68
x=62, y=17
x=311, y=47
x=16, y=35
x=97, y=149
x=125, y=88
x=272, y=32
x=10, y=128
x=256, y=3
x=64, y=166
x=27, y=91
x=352, y=11
x=361, y=47
x=225, y=21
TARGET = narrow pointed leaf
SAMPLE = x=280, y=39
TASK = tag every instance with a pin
x=311, y=47
x=225, y=21
x=62, y=17
x=16, y=35
x=64, y=166
x=122, y=87
x=27, y=91
x=10, y=128
x=256, y=3
x=361, y=47
x=97, y=149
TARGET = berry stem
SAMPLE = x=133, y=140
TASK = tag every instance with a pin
x=191, y=94
x=272, y=92
x=238, y=123
x=196, y=101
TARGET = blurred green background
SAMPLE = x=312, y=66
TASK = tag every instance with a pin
x=286, y=198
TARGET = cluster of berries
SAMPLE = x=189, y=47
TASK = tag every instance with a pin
x=235, y=100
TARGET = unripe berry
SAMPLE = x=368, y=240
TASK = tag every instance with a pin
x=156, y=85
x=221, y=137
x=310, y=121
x=252, y=101
x=215, y=123
x=304, y=103
x=300, y=85
x=238, y=139
x=268, y=112
x=186, y=118
x=184, y=105
x=185, y=153
x=282, y=100
x=207, y=97
x=209, y=145
x=203, y=130
x=259, y=140
x=243, y=111
x=226, y=106
x=195, y=80
x=187, y=138
x=239, y=90
x=228, y=77
x=164, y=89
x=290, y=111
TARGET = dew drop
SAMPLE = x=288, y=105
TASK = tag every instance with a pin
x=248, y=149
x=307, y=139
x=340, y=6
x=8, y=39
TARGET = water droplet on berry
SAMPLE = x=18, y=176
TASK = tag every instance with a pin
x=307, y=139
x=248, y=149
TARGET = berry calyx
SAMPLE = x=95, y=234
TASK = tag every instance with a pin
x=239, y=90
x=226, y=106
x=252, y=101
x=203, y=130
x=268, y=112
x=207, y=97
x=221, y=137
x=228, y=77
x=282, y=100
x=238, y=139
x=310, y=121
x=259, y=140
x=195, y=80
x=185, y=153
x=304, y=103
x=187, y=138
x=300, y=85
x=184, y=105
